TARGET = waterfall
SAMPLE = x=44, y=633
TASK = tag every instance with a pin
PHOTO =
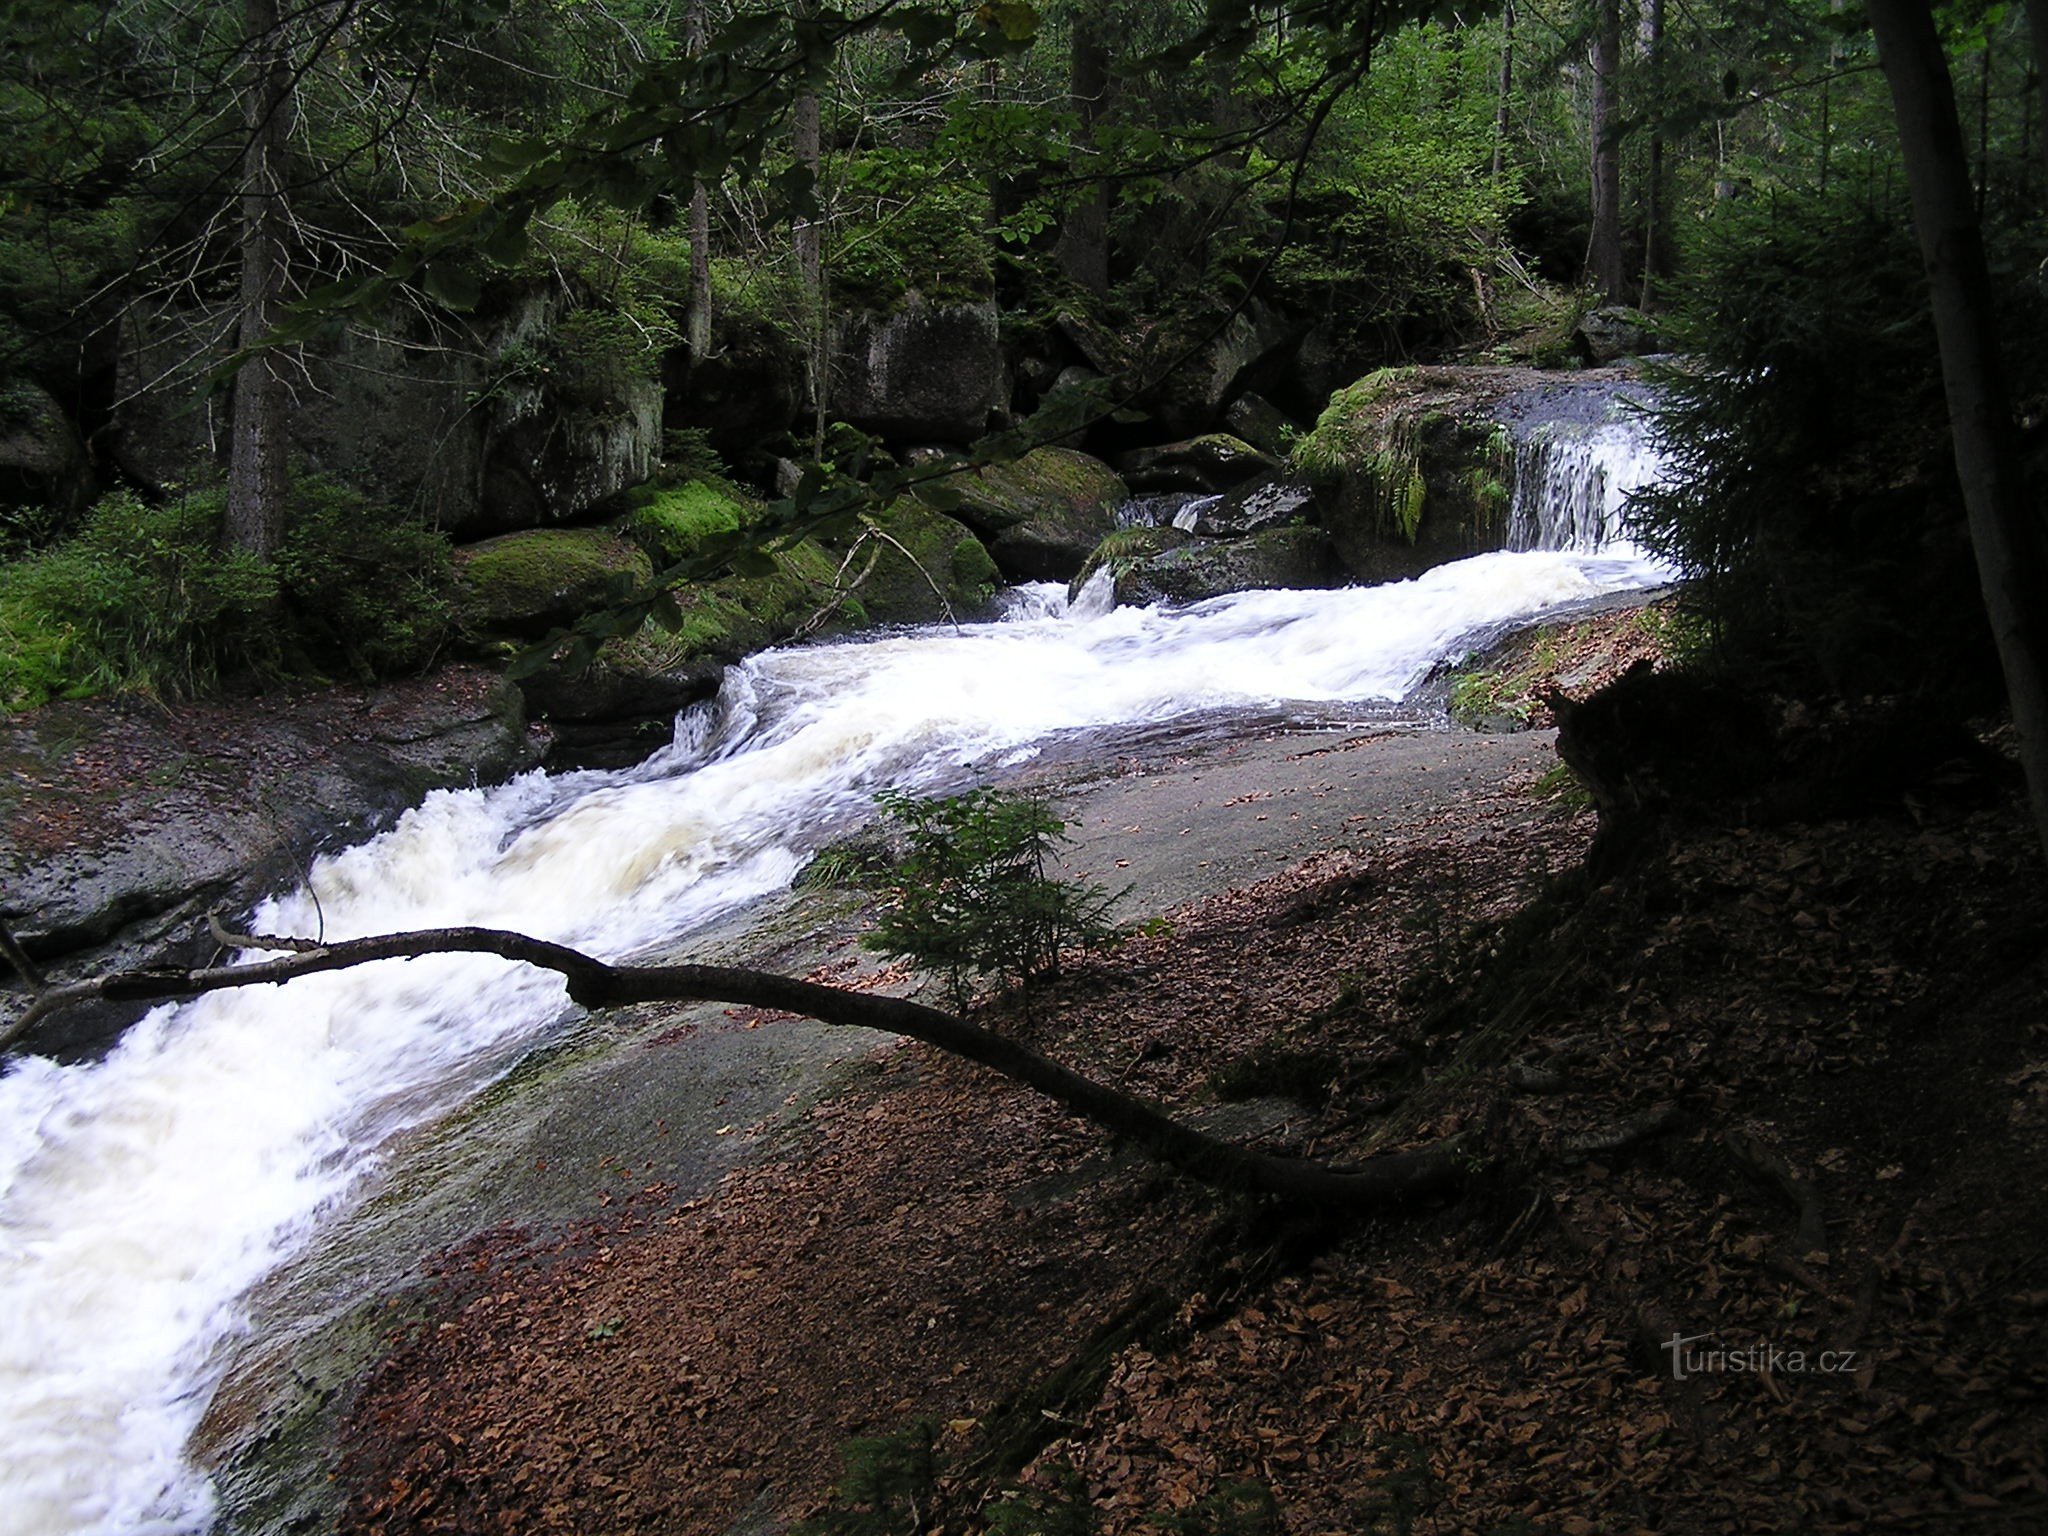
x=1574, y=472
x=142, y=1196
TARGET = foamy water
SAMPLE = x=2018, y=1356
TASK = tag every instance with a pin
x=143, y=1195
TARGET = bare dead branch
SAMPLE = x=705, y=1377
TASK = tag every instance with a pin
x=1380, y=1183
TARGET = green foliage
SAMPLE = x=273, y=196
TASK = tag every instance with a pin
x=887, y=1483
x=908, y=221
x=143, y=599
x=366, y=588
x=1814, y=503
x=1350, y=424
x=1061, y=1509
x=973, y=897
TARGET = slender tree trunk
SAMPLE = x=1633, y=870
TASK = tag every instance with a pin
x=257, y=446
x=1504, y=100
x=1653, y=188
x=2008, y=535
x=1084, y=233
x=807, y=135
x=1604, y=264
x=697, y=326
x=2037, y=29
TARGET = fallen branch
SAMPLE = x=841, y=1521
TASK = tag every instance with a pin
x=1382, y=1182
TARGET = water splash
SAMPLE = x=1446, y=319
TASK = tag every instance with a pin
x=143, y=1195
x=1573, y=477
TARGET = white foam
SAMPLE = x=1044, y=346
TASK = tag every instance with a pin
x=141, y=1196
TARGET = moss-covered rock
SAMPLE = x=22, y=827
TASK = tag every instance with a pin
x=1213, y=462
x=1041, y=514
x=1280, y=557
x=1125, y=549
x=675, y=522
x=925, y=567
x=520, y=585
x=904, y=565
x=1413, y=468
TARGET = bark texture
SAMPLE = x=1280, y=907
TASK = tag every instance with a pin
x=257, y=446
x=2006, y=534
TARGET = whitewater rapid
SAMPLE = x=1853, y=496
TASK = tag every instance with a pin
x=142, y=1196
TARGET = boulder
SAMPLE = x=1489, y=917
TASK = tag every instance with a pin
x=43, y=463
x=1213, y=462
x=1126, y=548
x=394, y=418
x=518, y=586
x=923, y=372
x=1262, y=424
x=1251, y=509
x=137, y=820
x=1613, y=332
x=1280, y=557
x=1039, y=515
x=1412, y=468
x=465, y=418
x=748, y=392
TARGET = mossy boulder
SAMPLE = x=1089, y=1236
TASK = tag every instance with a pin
x=521, y=585
x=1039, y=515
x=904, y=565
x=1298, y=557
x=1213, y=462
x=1412, y=468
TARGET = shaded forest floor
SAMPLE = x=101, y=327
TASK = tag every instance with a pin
x=1780, y=1092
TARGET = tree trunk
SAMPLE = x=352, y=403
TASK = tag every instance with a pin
x=1504, y=100
x=1653, y=187
x=807, y=133
x=1084, y=233
x=257, y=446
x=1604, y=264
x=2037, y=28
x=697, y=323
x=2007, y=535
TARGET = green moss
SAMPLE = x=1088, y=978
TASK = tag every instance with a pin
x=526, y=581
x=1046, y=483
x=1348, y=423
x=673, y=522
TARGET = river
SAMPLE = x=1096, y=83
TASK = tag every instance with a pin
x=142, y=1196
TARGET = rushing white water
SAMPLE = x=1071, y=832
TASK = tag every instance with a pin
x=141, y=1196
x=1572, y=482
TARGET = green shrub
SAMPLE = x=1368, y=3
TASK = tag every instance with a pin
x=141, y=599
x=366, y=587
x=972, y=896
x=888, y=1483
x=1814, y=501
